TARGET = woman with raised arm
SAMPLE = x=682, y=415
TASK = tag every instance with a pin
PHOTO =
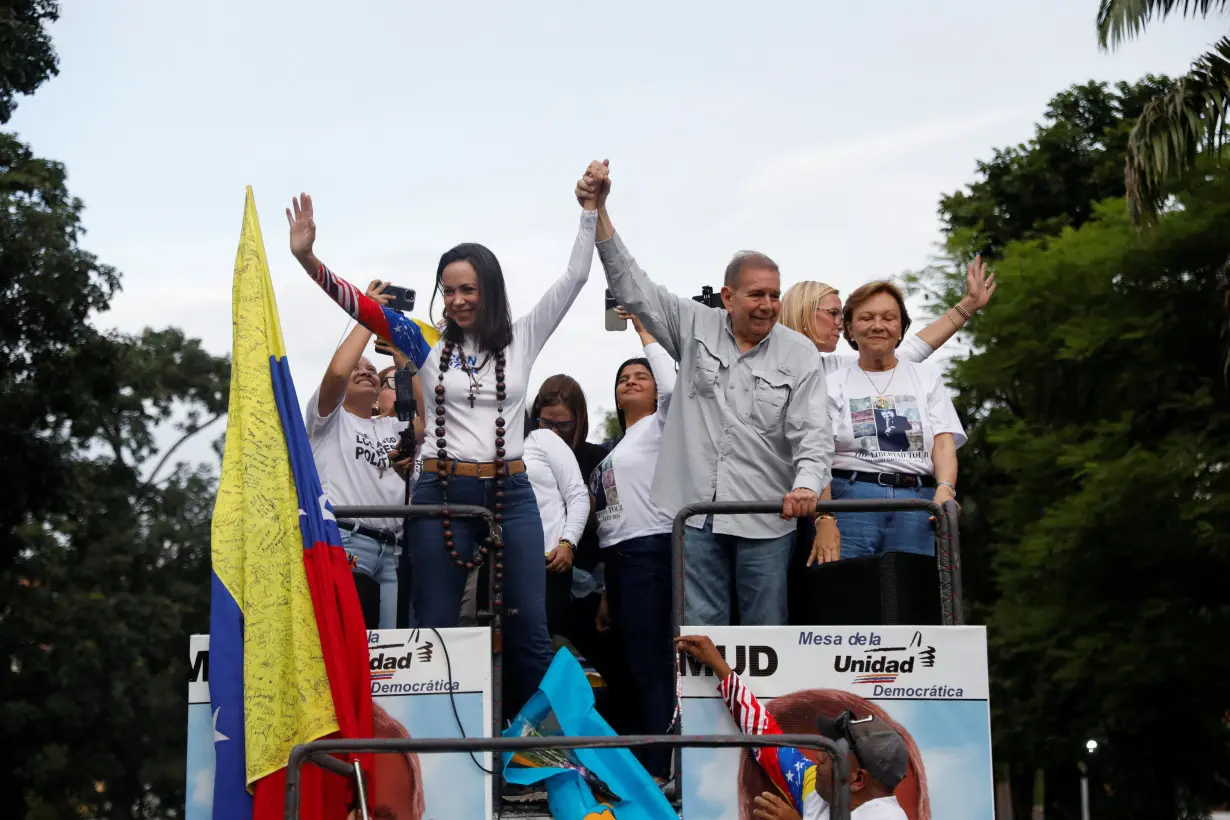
x=635, y=537
x=815, y=310
x=475, y=383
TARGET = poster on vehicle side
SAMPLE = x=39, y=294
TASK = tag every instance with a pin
x=425, y=683
x=929, y=683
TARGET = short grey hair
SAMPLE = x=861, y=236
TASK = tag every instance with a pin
x=747, y=260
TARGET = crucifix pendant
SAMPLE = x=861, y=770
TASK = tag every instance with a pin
x=471, y=397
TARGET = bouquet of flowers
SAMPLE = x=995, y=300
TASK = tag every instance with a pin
x=548, y=726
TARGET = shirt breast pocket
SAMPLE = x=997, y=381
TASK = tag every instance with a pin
x=705, y=369
x=770, y=396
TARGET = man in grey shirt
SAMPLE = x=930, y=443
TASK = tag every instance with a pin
x=749, y=420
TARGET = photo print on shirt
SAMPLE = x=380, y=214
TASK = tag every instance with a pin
x=894, y=427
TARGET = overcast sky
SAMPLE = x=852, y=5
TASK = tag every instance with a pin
x=822, y=134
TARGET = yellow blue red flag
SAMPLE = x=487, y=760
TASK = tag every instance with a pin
x=288, y=649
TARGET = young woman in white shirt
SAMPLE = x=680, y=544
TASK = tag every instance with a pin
x=895, y=427
x=475, y=379
x=563, y=505
x=635, y=537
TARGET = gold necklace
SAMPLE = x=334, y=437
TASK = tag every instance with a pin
x=880, y=401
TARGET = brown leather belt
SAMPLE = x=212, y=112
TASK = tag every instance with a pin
x=470, y=469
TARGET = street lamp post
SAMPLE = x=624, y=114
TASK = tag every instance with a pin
x=1091, y=746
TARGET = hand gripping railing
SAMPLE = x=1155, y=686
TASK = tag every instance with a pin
x=320, y=753
x=947, y=550
x=947, y=542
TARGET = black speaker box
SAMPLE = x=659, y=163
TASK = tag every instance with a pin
x=893, y=588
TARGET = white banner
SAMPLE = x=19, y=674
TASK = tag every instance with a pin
x=425, y=683
x=930, y=682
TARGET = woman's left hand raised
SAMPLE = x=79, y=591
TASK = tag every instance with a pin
x=302, y=226
x=979, y=285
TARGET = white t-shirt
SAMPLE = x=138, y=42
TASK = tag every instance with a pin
x=621, y=482
x=352, y=458
x=882, y=808
x=563, y=502
x=895, y=432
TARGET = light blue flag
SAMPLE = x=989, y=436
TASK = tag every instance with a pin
x=586, y=784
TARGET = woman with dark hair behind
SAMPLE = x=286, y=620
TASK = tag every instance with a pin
x=476, y=377
x=576, y=610
x=635, y=536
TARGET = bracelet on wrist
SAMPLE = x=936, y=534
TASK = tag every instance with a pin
x=960, y=308
x=947, y=484
x=825, y=516
x=564, y=542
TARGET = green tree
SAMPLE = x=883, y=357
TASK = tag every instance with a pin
x=1179, y=123
x=105, y=565
x=1096, y=526
x=27, y=58
x=609, y=430
x=1038, y=188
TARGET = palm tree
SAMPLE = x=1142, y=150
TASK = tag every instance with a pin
x=1177, y=125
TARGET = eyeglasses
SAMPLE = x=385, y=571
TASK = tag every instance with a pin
x=389, y=381
x=557, y=426
x=834, y=313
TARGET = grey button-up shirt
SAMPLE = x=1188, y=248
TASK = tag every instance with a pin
x=742, y=426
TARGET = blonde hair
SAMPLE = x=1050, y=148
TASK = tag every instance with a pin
x=799, y=305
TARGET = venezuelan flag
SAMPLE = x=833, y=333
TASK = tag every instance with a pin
x=288, y=648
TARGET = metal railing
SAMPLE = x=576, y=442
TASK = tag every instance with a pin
x=948, y=563
x=321, y=753
x=947, y=550
x=947, y=541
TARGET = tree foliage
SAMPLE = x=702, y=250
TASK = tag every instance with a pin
x=1038, y=188
x=1180, y=123
x=1097, y=493
x=104, y=566
x=27, y=58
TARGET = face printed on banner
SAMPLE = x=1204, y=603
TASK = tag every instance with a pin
x=399, y=779
x=796, y=713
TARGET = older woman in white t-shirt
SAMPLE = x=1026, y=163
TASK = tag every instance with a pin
x=635, y=539
x=815, y=310
x=896, y=430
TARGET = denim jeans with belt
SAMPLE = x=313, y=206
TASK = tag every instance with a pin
x=439, y=583
x=376, y=560
x=638, y=589
x=875, y=533
x=753, y=569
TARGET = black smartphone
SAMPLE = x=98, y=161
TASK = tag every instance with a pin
x=613, y=322
x=403, y=298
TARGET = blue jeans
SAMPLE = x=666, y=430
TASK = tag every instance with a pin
x=753, y=568
x=875, y=533
x=378, y=561
x=438, y=583
x=638, y=589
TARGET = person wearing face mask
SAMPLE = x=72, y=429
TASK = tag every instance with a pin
x=475, y=379
x=749, y=421
x=635, y=537
x=351, y=448
x=815, y=310
x=896, y=431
